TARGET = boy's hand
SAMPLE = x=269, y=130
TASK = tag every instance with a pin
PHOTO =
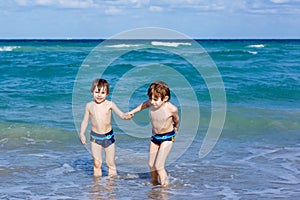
x=176, y=129
x=82, y=139
x=128, y=116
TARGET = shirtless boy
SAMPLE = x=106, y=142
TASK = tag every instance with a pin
x=165, y=121
x=98, y=112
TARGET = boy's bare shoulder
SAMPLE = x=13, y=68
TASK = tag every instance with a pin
x=172, y=107
x=89, y=104
x=108, y=103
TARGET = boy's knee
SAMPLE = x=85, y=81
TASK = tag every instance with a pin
x=110, y=163
x=97, y=163
x=158, y=166
x=151, y=165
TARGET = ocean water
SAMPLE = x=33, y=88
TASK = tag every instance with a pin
x=45, y=84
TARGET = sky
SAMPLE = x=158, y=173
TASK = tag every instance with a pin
x=102, y=19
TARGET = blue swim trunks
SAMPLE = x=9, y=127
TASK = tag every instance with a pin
x=105, y=140
x=160, y=138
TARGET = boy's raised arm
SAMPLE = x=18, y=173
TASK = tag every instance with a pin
x=122, y=115
x=142, y=106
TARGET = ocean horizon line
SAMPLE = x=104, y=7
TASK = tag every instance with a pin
x=102, y=39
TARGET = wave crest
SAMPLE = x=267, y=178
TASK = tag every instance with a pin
x=170, y=44
x=123, y=45
x=9, y=48
x=256, y=46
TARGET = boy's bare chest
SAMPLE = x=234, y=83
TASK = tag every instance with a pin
x=98, y=110
x=159, y=115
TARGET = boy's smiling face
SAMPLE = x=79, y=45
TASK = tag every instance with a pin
x=99, y=94
x=157, y=102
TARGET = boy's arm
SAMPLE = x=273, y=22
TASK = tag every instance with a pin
x=142, y=106
x=84, y=125
x=122, y=115
x=175, y=119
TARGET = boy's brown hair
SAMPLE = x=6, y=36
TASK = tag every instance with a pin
x=159, y=89
x=99, y=83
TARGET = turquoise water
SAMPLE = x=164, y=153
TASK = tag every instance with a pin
x=44, y=84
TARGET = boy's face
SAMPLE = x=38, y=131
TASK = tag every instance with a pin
x=157, y=102
x=99, y=94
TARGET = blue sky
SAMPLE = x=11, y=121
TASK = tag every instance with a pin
x=105, y=18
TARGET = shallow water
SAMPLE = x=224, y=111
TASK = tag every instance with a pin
x=53, y=167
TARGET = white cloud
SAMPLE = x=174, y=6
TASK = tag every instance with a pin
x=23, y=2
x=127, y=3
x=274, y=7
x=267, y=16
x=280, y=1
x=156, y=8
x=45, y=2
x=76, y=3
x=139, y=3
x=57, y=3
x=197, y=5
x=118, y=7
x=114, y=11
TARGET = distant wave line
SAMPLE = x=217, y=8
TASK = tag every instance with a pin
x=123, y=45
x=9, y=48
x=256, y=46
x=170, y=44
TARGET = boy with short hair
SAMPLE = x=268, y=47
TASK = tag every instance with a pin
x=98, y=112
x=165, y=121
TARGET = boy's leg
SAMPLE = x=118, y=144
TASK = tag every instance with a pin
x=110, y=159
x=97, y=156
x=151, y=162
x=161, y=158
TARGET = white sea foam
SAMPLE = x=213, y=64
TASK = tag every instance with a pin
x=66, y=168
x=9, y=48
x=170, y=44
x=270, y=193
x=252, y=52
x=43, y=155
x=15, y=190
x=228, y=193
x=3, y=141
x=123, y=45
x=84, y=65
x=256, y=46
x=29, y=140
x=284, y=160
